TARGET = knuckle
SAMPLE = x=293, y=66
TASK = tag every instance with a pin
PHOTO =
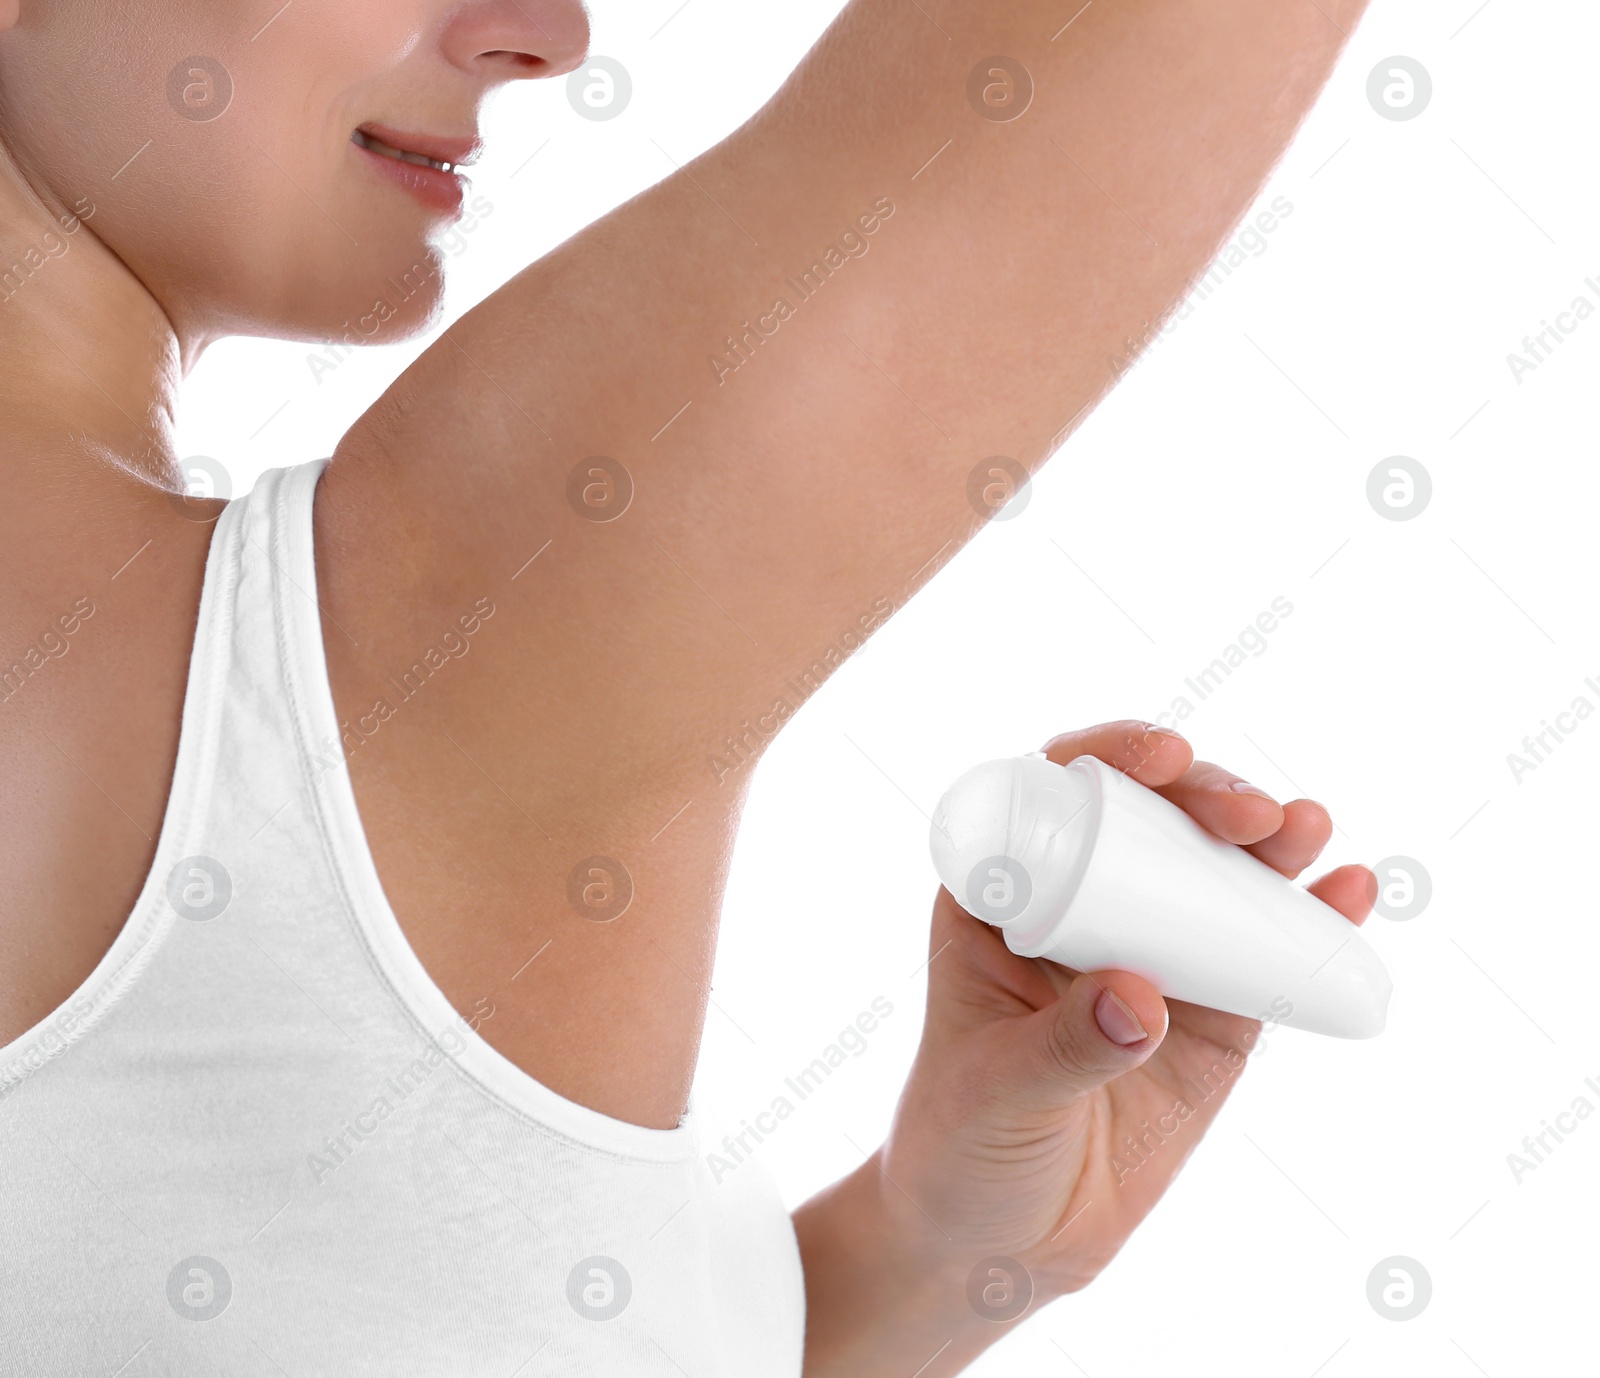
x=1065, y=1049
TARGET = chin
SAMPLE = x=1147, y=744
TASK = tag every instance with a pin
x=398, y=306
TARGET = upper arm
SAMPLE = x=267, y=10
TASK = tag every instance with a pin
x=982, y=275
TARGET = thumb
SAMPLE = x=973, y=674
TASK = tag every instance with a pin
x=1105, y=1024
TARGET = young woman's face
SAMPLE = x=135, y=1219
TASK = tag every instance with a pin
x=209, y=143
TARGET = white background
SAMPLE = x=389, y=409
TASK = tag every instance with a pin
x=1229, y=468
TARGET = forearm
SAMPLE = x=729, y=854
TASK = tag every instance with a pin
x=879, y=1305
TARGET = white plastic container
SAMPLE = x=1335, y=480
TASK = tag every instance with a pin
x=1087, y=867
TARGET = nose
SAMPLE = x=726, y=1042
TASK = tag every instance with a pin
x=510, y=40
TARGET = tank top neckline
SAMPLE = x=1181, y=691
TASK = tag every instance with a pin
x=151, y=916
x=288, y=494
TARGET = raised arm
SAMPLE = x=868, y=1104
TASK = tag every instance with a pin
x=800, y=345
x=795, y=350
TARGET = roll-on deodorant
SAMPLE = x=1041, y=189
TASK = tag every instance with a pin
x=1085, y=866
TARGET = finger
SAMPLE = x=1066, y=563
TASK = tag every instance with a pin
x=1106, y=1024
x=1306, y=829
x=973, y=977
x=1151, y=755
x=1231, y=807
x=1352, y=890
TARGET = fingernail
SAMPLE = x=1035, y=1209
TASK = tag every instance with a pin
x=1245, y=787
x=1116, y=1020
x=1165, y=731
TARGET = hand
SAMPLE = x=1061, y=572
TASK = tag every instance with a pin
x=1048, y=1110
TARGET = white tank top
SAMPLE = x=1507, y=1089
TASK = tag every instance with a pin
x=259, y=1141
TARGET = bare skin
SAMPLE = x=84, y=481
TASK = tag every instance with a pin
x=1034, y=1079
x=776, y=506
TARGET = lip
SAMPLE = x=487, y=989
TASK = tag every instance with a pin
x=460, y=151
x=435, y=187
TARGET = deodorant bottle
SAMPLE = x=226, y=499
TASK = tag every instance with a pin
x=1085, y=866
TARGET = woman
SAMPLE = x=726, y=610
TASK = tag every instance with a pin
x=365, y=853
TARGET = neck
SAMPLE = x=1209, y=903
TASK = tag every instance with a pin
x=89, y=362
